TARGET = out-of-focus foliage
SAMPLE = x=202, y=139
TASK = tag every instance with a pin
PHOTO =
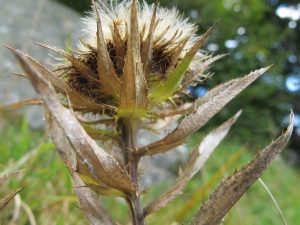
x=254, y=36
x=79, y=5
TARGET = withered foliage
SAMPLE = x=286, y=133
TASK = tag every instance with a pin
x=6, y=199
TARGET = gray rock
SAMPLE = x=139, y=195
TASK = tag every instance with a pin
x=22, y=22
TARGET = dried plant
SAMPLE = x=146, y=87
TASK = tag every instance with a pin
x=129, y=73
x=6, y=199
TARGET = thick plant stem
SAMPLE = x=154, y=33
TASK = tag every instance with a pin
x=136, y=211
x=131, y=163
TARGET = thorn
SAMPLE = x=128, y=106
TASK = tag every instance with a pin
x=236, y=169
x=69, y=167
x=84, y=186
x=258, y=150
x=78, y=207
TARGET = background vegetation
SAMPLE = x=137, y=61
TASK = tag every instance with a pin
x=265, y=39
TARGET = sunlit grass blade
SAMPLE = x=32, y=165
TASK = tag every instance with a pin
x=273, y=199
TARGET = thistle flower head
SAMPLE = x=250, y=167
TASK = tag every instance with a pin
x=171, y=27
x=130, y=70
x=134, y=57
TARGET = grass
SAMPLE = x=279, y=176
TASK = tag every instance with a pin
x=49, y=196
x=48, y=188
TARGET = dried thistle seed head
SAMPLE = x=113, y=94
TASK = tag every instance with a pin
x=170, y=27
x=132, y=57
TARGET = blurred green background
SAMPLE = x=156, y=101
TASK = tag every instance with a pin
x=256, y=34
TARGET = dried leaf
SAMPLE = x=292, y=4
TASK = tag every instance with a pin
x=193, y=165
x=213, y=92
x=201, y=69
x=229, y=191
x=86, y=71
x=91, y=205
x=105, y=67
x=10, y=175
x=146, y=51
x=34, y=101
x=4, y=201
x=207, y=146
x=120, y=47
x=134, y=100
x=174, y=110
x=78, y=102
x=68, y=154
x=65, y=150
x=20, y=75
x=89, y=202
x=57, y=83
x=103, y=168
x=208, y=62
x=200, y=116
